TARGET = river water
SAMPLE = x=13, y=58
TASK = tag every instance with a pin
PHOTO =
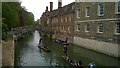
x=27, y=53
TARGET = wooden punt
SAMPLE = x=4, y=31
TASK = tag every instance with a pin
x=45, y=49
x=72, y=64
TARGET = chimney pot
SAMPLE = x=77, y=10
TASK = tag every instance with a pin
x=46, y=8
x=51, y=6
x=59, y=3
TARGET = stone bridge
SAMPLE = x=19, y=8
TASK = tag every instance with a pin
x=20, y=31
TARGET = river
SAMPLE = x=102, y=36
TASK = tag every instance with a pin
x=27, y=53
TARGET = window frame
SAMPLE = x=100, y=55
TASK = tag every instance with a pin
x=99, y=27
x=78, y=13
x=117, y=28
x=70, y=19
x=86, y=27
x=61, y=20
x=78, y=27
x=69, y=29
x=117, y=7
x=99, y=11
x=87, y=11
x=65, y=19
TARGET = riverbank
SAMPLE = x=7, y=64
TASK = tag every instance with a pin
x=110, y=49
x=8, y=53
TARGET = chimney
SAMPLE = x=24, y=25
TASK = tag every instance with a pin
x=51, y=6
x=46, y=8
x=59, y=3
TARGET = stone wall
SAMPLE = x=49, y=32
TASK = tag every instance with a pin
x=8, y=53
x=99, y=46
x=0, y=55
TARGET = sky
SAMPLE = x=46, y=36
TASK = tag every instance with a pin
x=37, y=7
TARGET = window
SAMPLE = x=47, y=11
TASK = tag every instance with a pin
x=117, y=31
x=69, y=29
x=87, y=12
x=72, y=6
x=78, y=13
x=54, y=20
x=61, y=20
x=77, y=0
x=100, y=27
x=87, y=28
x=118, y=7
x=48, y=21
x=78, y=27
x=57, y=20
x=70, y=19
x=101, y=9
x=65, y=19
x=63, y=28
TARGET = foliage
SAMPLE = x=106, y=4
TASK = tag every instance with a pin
x=14, y=16
x=4, y=31
x=10, y=14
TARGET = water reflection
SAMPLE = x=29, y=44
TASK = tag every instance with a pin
x=28, y=54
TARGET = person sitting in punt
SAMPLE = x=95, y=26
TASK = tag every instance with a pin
x=79, y=64
x=91, y=65
x=46, y=47
x=67, y=58
x=70, y=60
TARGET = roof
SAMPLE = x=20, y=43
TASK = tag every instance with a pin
x=70, y=8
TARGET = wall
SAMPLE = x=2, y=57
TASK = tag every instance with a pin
x=0, y=55
x=99, y=46
x=109, y=20
x=8, y=53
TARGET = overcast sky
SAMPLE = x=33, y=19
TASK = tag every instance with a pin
x=37, y=7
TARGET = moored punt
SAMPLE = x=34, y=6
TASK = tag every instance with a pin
x=71, y=63
x=45, y=49
x=61, y=42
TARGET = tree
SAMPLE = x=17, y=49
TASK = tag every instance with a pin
x=14, y=15
x=10, y=13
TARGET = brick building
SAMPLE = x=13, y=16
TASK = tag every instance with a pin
x=60, y=21
x=98, y=20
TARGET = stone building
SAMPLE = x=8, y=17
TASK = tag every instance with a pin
x=99, y=21
x=59, y=22
x=97, y=26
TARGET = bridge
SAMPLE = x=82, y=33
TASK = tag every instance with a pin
x=20, y=31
